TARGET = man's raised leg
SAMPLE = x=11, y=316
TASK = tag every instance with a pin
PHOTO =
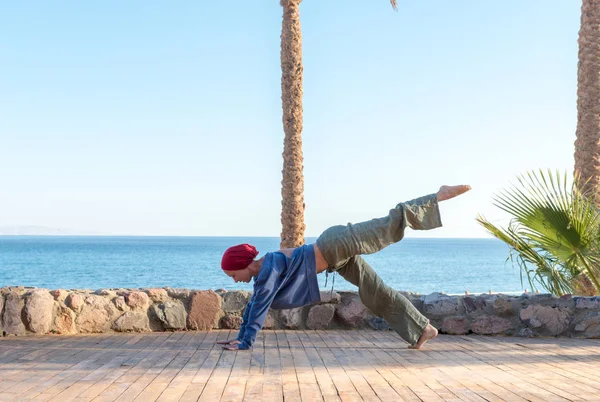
x=339, y=243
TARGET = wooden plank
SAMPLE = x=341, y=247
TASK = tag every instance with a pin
x=143, y=350
x=103, y=349
x=338, y=346
x=508, y=374
x=491, y=377
x=161, y=359
x=254, y=385
x=219, y=376
x=297, y=365
x=54, y=371
x=346, y=389
x=384, y=364
x=240, y=373
x=177, y=387
x=326, y=384
x=109, y=363
x=202, y=375
x=272, y=381
x=160, y=376
x=135, y=367
x=307, y=381
x=362, y=360
x=63, y=350
x=15, y=371
x=291, y=389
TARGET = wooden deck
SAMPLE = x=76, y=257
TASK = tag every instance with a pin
x=296, y=366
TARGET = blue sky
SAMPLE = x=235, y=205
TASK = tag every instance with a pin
x=148, y=118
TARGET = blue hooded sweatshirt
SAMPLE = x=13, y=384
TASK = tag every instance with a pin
x=281, y=283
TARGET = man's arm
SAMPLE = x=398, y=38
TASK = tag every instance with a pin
x=261, y=301
x=240, y=336
x=245, y=320
x=258, y=307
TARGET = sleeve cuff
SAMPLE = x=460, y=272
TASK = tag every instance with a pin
x=244, y=346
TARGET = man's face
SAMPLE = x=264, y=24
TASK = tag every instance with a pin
x=242, y=275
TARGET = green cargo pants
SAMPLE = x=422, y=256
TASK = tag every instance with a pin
x=342, y=246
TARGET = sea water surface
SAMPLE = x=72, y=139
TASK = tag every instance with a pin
x=93, y=262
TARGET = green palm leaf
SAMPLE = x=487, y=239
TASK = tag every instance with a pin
x=554, y=233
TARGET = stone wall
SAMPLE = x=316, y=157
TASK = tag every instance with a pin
x=40, y=311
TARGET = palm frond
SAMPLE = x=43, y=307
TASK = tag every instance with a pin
x=554, y=234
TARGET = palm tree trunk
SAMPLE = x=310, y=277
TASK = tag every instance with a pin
x=584, y=286
x=292, y=191
x=587, y=144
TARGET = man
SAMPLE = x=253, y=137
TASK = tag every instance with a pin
x=288, y=278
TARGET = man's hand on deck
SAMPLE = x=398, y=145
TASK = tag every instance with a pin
x=229, y=342
x=233, y=346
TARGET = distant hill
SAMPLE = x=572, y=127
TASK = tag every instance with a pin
x=42, y=231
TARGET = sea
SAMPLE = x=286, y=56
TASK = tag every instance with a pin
x=421, y=265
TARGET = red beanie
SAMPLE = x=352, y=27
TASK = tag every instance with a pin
x=238, y=257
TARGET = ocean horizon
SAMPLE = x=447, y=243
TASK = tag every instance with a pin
x=421, y=265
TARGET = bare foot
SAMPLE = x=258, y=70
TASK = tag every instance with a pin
x=427, y=335
x=447, y=192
